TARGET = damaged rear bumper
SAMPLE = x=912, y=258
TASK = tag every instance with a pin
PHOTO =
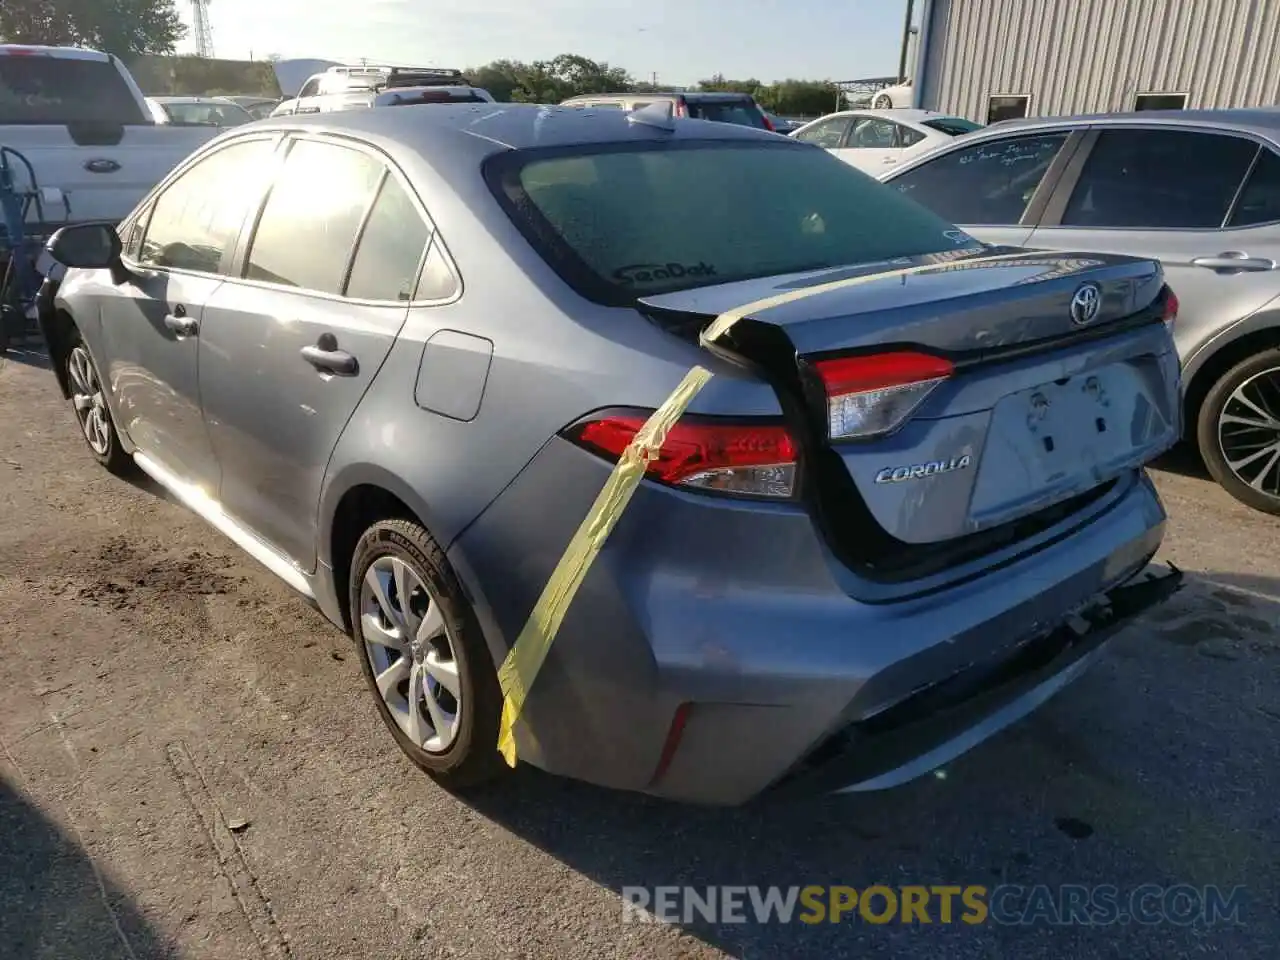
x=942, y=721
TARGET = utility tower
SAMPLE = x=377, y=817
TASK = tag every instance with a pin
x=204, y=33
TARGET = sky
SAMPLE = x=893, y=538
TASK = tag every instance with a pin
x=682, y=41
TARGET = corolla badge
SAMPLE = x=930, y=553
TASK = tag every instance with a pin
x=101, y=165
x=918, y=471
x=1085, y=304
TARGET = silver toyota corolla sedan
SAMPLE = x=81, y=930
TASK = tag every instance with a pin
x=395, y=354
x=1198, y=190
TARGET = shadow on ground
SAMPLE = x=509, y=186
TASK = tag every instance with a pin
x=1159, y=766
x=1185, y=461
x=55, y=903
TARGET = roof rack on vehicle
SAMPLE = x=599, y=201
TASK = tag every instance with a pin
x=389, y=76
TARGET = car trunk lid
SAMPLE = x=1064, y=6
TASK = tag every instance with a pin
x=1055, y=377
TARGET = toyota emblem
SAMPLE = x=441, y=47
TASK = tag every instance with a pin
x=1085, y=304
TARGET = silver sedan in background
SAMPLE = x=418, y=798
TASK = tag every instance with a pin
x=1197, y=190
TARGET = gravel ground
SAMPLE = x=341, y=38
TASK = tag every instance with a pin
x=191, y=767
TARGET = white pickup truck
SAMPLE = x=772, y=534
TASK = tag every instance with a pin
x=79, y=120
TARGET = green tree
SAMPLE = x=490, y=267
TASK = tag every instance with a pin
x=719, y=84
x=126, y=28
x=549, y=81
x=500, y=78
x=805, y=98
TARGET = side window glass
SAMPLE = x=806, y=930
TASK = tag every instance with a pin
x=1173, y=179
x=986, y=184
x=874, y=134
x=827, y=134
x=1260, y=200
x=310, y=88
x=308, y=225
x=438, y=281
x=391, y=247
x=908, y=137
x=198, y=217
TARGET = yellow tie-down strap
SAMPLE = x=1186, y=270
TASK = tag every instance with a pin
x=525, y=659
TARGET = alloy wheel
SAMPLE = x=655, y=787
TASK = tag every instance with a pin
x=411, y=651
x=1249, y=432
x=90, y=405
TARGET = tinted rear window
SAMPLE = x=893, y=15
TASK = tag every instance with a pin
x=952, y=126
x=46, y=90
x=620, y=223
x=745, y=113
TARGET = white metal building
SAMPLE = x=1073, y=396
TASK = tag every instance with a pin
x=998, y=59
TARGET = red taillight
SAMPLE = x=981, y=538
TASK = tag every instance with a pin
x=1170, y=314
x=746, y=459
x=874, y=394
x=682, y=108
x=768, y=124
x=19, y=52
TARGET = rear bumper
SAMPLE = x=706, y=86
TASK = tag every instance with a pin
x=920, y=733
x=739, y=611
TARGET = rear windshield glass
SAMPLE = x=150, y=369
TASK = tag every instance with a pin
x=45, y=90
x=742, y=112
x=952, y=126
x=624, y=223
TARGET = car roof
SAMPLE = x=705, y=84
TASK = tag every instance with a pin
x=1264, y=121
x=506, y=126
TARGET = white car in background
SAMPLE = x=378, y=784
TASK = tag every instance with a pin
x=875, y=140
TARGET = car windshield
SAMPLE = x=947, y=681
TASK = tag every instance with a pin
x=210, y=114
x=952, y=126
x=743, y=112
x=39, y=89
x=641, y=220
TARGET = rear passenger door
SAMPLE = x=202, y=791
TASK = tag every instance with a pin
x=290, y=346
x=1205, y=203
x=995, y=189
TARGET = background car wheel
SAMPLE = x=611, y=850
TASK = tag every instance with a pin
x=1238, y=431
x=92, y=412
x=882, y=102
x=430, y=671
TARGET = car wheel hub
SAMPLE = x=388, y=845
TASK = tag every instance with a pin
x=90, y=405
x=411, y=652
x=1249, y=432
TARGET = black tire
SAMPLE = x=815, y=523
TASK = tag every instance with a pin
x=472, y=758
x=1209, y=441
x=113, y=455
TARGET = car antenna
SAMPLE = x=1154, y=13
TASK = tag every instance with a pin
x=660, y=115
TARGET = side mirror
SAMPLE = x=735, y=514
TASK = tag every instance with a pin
x=88, y=246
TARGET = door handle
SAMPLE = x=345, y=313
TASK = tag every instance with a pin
x=1235, y=260
x=180, y=323
x=327, y=358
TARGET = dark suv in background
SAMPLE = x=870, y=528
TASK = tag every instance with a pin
x=739, y=108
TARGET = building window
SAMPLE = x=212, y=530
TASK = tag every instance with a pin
x=1007, y=108
x=1161, y=101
